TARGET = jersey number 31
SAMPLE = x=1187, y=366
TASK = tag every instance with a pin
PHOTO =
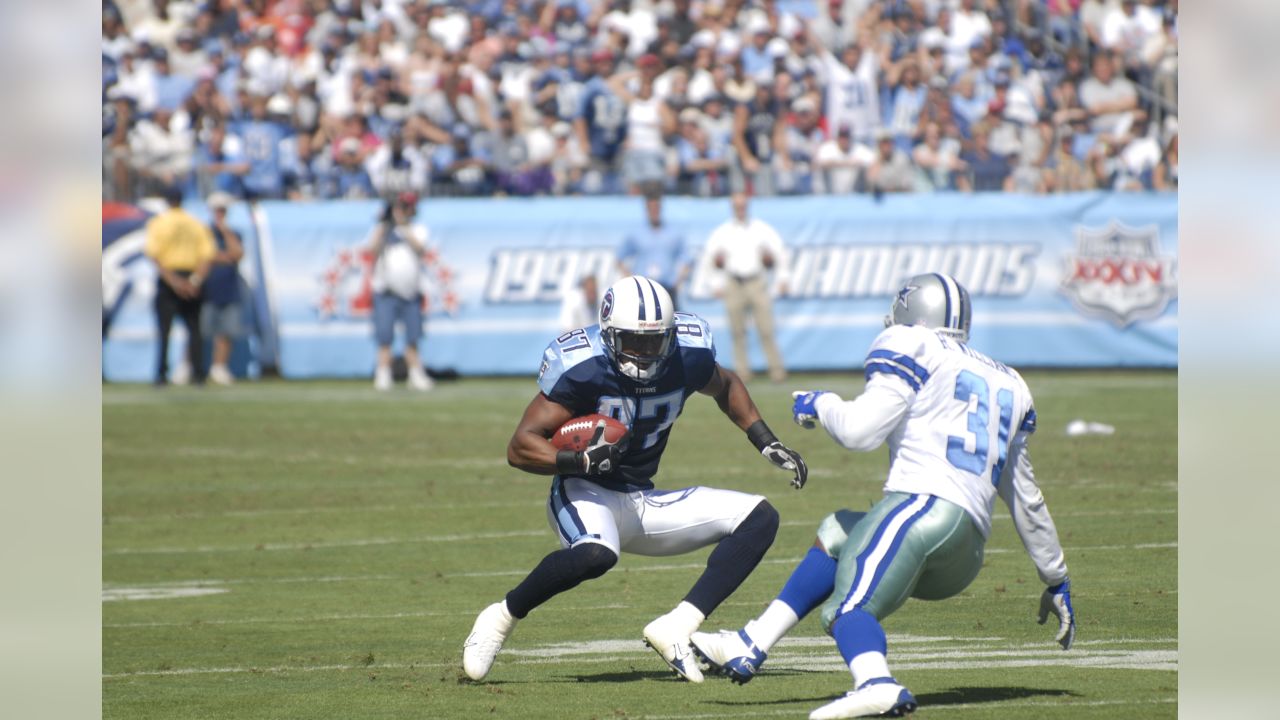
x=968, y=385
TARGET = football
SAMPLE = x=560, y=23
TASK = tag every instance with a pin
x=577, y=433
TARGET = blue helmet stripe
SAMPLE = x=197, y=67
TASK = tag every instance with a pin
x=640, y=292
x=657, y=304
x=953, y=306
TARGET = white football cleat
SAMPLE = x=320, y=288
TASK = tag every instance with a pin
x=878, y=697
x=382, y=379
x=493, y=626
x=671, y=642
x=729, y=652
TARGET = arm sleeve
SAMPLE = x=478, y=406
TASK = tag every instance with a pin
x=865, y=422
x=1031, y=517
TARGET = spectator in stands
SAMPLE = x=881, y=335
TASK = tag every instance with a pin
x=698, y=167
x=648, y=121
x=514, y=172
x=601, y=125
x=221, y=313
x=985, y=171
x=161, y=147
x=220, y=162
x=840, y=163
x=463, y=166
x=568, y=161
x=891, y=171
x=262, y=137
x=1139, y=154
x=1109, y=98
x=746, y=251
x=1063, y=171
x=908, y=101
x=182, y=249
x=1166, y=174
x=426, y=66
x=938, y=157
x=656, y=251
x=349, y=179
x=853, y=90
x=171, y=89
x=395, y=167
x=398, y=245
x=797, y=155
x=757, y=131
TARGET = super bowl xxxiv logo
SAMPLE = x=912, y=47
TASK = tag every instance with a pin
x=347, y=285
x=1118, y=273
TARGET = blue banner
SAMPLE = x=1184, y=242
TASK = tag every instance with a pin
x=1085, y=280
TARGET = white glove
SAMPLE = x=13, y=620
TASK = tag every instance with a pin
x=1057, y=599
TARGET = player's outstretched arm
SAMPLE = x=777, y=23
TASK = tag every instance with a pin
x=735, y=402
x=860, y=424
x=529, y=448
x=1039, y=536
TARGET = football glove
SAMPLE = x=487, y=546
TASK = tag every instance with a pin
x=601, y=458
x=1057, y=599
x=805, y=414
x=787, y=459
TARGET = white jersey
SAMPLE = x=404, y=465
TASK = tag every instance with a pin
x=957, y=424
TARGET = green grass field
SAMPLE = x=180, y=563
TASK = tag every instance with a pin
x=315, y=550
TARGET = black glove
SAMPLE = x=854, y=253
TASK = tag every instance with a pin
x=775, y=452
x=386, y=216
x=787, y=459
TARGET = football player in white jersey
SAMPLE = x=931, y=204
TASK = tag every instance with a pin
x=957, y=424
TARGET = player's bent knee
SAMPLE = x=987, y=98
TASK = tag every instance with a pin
x=593, y=559
x=761, y=524
x=834, y=530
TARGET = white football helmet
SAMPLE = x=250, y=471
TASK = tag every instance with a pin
x=933, y=300
x=637, y=324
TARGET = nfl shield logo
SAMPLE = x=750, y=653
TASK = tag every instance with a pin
x=1119, y=274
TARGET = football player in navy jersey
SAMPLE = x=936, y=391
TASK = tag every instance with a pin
x=638, y=365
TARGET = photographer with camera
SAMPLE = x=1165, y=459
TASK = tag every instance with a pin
x=397, y=246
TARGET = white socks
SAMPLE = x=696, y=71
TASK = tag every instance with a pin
x=867, y=666
x=687, y=616
x=776, y=621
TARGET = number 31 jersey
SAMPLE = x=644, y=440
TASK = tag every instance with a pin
x=965, y=412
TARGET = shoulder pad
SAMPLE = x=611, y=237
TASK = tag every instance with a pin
x=693, y=332
x=900, y=350
x=566, y=351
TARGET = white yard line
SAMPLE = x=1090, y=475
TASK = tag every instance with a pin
x=468, y=537
x=979, y=655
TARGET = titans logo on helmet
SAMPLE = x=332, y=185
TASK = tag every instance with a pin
x=606, y=305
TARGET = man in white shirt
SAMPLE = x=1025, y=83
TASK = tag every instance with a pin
x=745, y=249
x=931, y=399
x=397, y=246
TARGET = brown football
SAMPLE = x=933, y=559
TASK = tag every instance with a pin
x=577, y=433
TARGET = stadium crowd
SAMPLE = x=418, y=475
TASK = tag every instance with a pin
x=306, y=99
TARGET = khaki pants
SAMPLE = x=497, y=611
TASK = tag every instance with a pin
x=741, y=297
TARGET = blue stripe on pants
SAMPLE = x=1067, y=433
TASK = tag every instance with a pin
x=878, y=555
x=566, y=516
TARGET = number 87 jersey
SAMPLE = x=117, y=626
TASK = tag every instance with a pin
x=967, y=418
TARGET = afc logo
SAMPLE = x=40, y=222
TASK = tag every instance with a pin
x=1118, y=273
x=347, y=285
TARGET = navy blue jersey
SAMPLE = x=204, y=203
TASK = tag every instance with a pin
x=577, y=374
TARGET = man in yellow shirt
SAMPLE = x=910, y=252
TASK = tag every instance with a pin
x=182, y=249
